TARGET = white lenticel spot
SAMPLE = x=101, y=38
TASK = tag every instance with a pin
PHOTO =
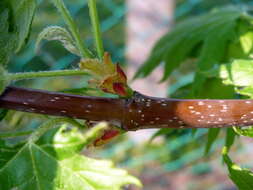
x=191, y=107
x=248, y=102
x=89, y=106
x=164, y=104
x=201, y=103
x=209, y=106
x=157, y=118
x=57, y=98
x=211, y=115
x=25, y=103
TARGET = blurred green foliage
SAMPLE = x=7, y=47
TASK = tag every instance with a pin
x=52, y=56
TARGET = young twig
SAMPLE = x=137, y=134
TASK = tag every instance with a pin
x=134, y=113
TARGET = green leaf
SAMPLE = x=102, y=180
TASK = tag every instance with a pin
x=7, y=152
x=230, y=138
x=212, y=136
x=59, y=34
x=3, y=79
x=7, y=39
x=160, y=132
x=247, y=91
x=34, y=167
x=3, y=113
x=22, y=12
x=238, y=73
x=212, y=89
x=64, y=142
x=15, y=21
x=243, y=178
x=204, y=37
x=247, y=41
x=244, y=131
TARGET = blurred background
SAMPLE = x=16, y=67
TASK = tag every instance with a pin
x=130, y=28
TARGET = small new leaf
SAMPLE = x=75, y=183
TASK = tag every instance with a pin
x=108, y=77
x=60, y=34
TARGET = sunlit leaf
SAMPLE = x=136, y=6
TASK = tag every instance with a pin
x=245, y=131
x=247, y=91
x=52, y=164
x=238, y=73
x=243, y=178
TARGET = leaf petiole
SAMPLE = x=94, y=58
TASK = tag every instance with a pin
x=96, y=28
x=31, y=75
x=85, y=52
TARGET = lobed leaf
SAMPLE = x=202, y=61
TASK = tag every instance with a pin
x=54, y=163
x=205, y=35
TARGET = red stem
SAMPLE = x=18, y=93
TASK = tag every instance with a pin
x=134, y=113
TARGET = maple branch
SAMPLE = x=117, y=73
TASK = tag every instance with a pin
x=133, y=113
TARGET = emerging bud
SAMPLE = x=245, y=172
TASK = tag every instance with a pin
x=109, y=77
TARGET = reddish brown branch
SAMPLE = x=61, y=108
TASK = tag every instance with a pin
x=135, y=113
